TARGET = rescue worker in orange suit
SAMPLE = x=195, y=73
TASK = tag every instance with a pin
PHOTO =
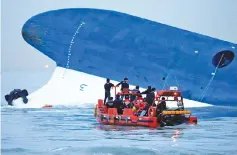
x=124, y=84
x=107, y=87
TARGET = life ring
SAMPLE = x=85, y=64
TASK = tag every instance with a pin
x=142, y=106
x=138, y=107
x=152, y=111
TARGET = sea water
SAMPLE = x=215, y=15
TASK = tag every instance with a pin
x=74, y=130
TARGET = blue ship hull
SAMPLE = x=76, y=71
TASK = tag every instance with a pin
x=116, y=45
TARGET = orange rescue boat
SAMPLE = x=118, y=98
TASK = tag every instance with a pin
x=153, y=119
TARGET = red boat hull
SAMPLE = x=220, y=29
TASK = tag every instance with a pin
x=109, y=116
x=127, y=120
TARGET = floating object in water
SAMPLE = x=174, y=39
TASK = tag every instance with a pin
x=47, y=106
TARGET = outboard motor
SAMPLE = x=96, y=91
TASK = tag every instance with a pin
x=15, y=94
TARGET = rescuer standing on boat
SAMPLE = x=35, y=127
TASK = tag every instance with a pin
x=147, y=91
x=124, y=84
x=134, y=93
x=107, y=87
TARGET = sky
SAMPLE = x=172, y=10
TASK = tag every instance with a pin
x=215, y=18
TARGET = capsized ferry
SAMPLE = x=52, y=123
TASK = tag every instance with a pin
x=90, y=41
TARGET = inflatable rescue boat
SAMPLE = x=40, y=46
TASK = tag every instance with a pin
x=154, y=118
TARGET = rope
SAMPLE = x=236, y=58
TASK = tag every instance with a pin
x=70, y=48
x=176, y=81
x=209, y=83
x=170, y=70
x=166, y=79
